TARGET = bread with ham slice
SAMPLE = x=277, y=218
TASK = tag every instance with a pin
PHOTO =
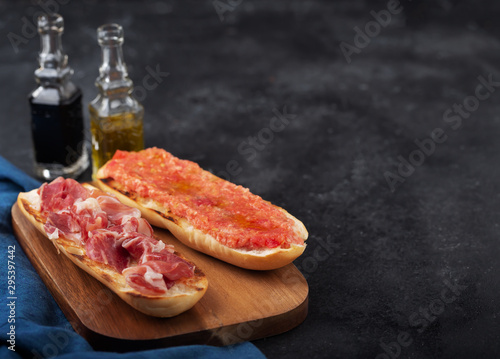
x=116, y=245
x=205, y=212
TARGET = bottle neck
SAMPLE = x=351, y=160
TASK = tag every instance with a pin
x=113, y=74
x=113, y=77
x=52, y=59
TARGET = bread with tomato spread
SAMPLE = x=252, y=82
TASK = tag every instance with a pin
x=115, y=245
x=203, y=211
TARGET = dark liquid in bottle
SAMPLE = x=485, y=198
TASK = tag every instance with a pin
x=57, y=131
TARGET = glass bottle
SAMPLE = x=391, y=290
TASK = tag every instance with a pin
x=116, y=118
x=57, y=126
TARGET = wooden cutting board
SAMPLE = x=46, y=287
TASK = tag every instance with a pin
x=239, y=304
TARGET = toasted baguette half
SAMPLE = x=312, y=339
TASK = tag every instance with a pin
x=157, y=215
x=185, y=293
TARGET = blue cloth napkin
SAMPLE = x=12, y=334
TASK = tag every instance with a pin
x=40, y=329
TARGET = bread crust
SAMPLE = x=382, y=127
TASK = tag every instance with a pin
x=187, y=292
x=265, y=259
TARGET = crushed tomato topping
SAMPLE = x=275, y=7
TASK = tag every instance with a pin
x=228, y=212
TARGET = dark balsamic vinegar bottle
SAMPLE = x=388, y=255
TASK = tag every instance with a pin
x=57, y=125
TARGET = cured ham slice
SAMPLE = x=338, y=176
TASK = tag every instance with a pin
x=105, y=247
x=144, y=227
x=158, y=257
x=117, y=212
x=138, y=244
x=90, y=216
x=61, y=193
x=145, y=280
x=134, y=224
x=168, y=264
x=63, y=223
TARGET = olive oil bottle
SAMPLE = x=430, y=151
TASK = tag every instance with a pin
x=116, y=118
x=57, y=127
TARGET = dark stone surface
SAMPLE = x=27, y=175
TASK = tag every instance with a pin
x=380, y=263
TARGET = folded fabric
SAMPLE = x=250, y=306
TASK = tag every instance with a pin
x=32, y=323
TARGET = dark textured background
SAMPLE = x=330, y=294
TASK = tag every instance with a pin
x=378, y=261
